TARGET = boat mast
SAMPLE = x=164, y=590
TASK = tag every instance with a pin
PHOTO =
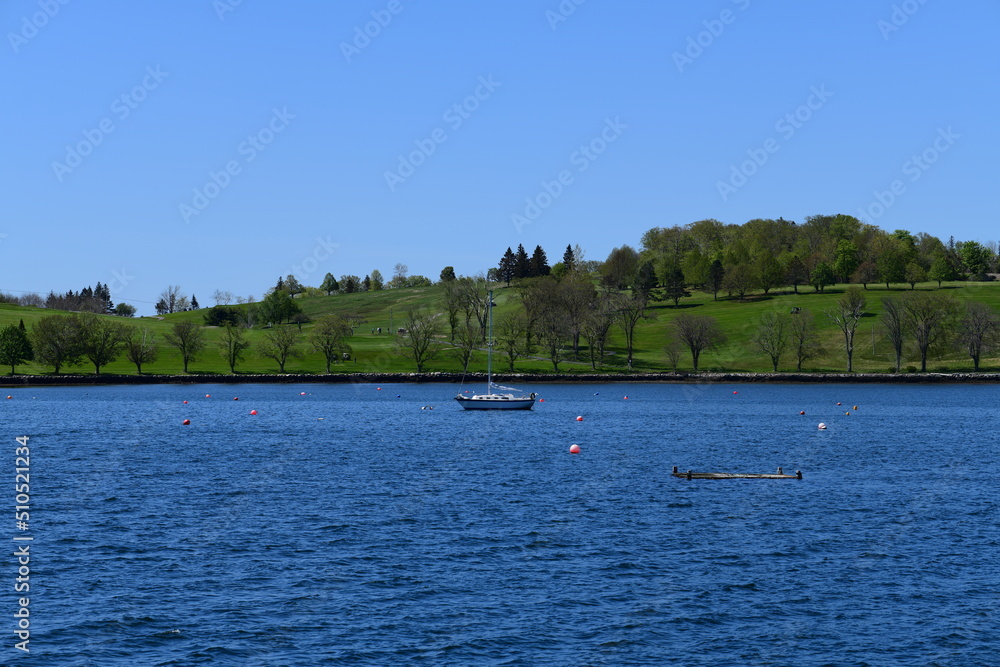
x=489, y=344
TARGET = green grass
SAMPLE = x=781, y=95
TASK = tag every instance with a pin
x=386, y=309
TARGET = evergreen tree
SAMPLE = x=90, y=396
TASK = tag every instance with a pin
x=569, y=259
x=674, y=287
x=716, y=273
x=796, y=273
x=539, y=263
x=15, y=348
x=366, y=284
x=447, y=274
x=506, y=268
x=378, y=283
x=194, y=302
x=522, y=264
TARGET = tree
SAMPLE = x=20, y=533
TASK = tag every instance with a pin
x=102, y=340
x=278, y=306
x=894, y=326
x=941, y=270
x=929, y=317
x=821, y=276
x=329, y=337
x=628, y=310
x=418, y=342
x=194, y=302
x=699, y=333
x=802, y=331
x=891, y=264
x=716, y=275
x=522, y=264
x=674, y=287
x=976, y=258
x=508, y=336
x=796, y=273
x=848, y=312
x=465, y=342
x=279, y=344
x=739, y=279
x=575, y=296
x=125, y=310
x=447, y=274
x=224, y=297
x=377, y=282
x=866, y=273
x=771, y=337
x=140, y=347
x=846, y=260
x=329, y=284
x=170, y=298
x=914, y=274
x=978, y=330
x=769, y=272
x=539, y=263
x=293, y=286
x=553, y=333
x=506, y=268
x=399, y=274
x=56, y=340
x=620, y=268
x=188, y=338
x=597, y=325
x=350, y=284
x=15, y=346
x=232, y=344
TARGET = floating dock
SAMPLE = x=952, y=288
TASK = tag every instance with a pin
x=735, y=475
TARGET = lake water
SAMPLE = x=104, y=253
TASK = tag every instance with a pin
x=350, y=526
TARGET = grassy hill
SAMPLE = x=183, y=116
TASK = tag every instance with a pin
x=386, y=309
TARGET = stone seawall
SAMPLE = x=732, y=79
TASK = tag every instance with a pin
x=474, y=378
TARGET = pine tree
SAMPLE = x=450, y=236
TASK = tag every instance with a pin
x=522, y=264
x=539, y=263
x=569, y=259
x=15, y=348
x=506, y=268
x=194, y=302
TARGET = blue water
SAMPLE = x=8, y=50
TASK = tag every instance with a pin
x=349, y=526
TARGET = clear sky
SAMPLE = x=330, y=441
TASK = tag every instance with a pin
x=219, y=144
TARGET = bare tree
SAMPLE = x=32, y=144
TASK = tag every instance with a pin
x=576, y=294
x=597, y=326
x=222, y=297
x=673, y=349
x=453, y=299
x=929, y=317
x=629, y=309
x=509, y=337
x=894, y=326
x=699, y=333
x=329, y=336
x=553, y=333
x=189, y=340
x=467, y=338
x=232, y=345
x=418, y=342
x=140, y=347
x=279, y=344
x=849, y=309
x=171, y=297
x=802, y=329
x=771, y=337
x=979, y=330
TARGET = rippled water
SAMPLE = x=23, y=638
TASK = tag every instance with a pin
x=349, y=526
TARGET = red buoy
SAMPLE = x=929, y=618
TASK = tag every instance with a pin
x=541, y=400
x=625, y=399
x=838, y=403
x=236, y=398
x=208, y=396
x=574, y=449
x=579, y=419
x=186, y=422
x=185, y=402
x=302, y=393
x=253, y=412
x=736, y=392
x=802, y=412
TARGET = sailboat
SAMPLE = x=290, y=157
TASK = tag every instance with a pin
x=492, y=400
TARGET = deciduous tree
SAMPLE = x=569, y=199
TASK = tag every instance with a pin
x=329, y=337
x=699, y=333
x=978, y=330
x=846, y=315
x=418, y=342
x=771, y=336
x=57, y=341
x=188, y=338
x=279, y=343
x=103, y=339
x=232, y=345
x=929, y=318
x=140, y=347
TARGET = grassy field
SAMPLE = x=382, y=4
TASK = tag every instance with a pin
x=386, y=309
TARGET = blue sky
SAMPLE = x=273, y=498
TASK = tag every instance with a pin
x=218, y=144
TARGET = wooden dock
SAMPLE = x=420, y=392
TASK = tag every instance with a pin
x=735, y=475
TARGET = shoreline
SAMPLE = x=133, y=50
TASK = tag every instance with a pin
x=516, y=378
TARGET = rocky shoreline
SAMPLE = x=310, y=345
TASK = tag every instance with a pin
x=523, y=379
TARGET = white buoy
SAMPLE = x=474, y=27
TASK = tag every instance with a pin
x=822, y=425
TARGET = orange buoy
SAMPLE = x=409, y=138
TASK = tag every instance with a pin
x=802, y=412
x=579, y=419
x=253, y=412
x=821, y=426
x=9, y=397
x=855, y=407
x=847, y=413
x=186, y=422
x=574, y=449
